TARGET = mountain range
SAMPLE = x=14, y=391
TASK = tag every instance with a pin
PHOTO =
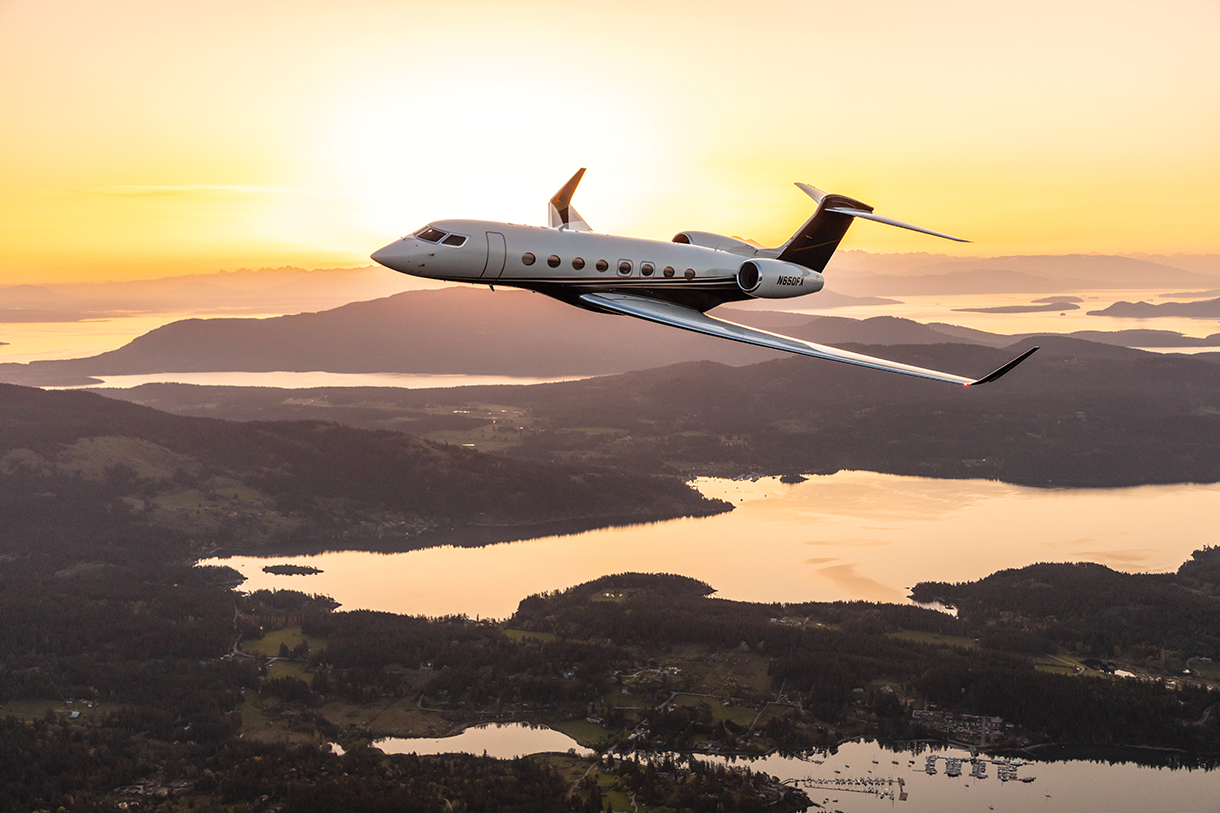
x=475, y=331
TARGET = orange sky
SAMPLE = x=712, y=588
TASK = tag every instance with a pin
x=140, y=139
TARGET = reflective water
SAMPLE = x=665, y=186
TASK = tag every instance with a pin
x=864, y=776
x=946, y=309
x=34, y=341
x=1058, y=787
x=290, y=380
x=850, y=535
x=499, y=740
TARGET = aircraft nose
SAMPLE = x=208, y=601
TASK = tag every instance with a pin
x=391, y=256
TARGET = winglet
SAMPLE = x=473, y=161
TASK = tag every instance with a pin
x=987, y=379
x=560, y=211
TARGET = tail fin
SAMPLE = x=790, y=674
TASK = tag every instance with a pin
x=560, y=211
x=817, y=240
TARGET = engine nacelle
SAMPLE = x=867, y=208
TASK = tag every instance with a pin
x=776, y=279
x=708, y=239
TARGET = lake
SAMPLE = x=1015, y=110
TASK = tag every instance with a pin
x=844, y=536
x=838, y=780
x=307, y=380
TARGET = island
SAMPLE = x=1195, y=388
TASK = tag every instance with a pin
x=291, y=570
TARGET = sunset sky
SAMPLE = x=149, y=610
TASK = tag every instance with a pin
x=142, y=139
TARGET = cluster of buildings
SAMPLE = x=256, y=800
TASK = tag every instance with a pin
x=962, y=726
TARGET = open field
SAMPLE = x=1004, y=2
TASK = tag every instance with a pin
x=741, y=715
x=291, y=637
x=283, y=668
x=590, y=735
x=262, y=723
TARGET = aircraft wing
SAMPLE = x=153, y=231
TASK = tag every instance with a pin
x=680, y=316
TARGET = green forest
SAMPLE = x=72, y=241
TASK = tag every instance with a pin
x=180, y=686
x=131, y=678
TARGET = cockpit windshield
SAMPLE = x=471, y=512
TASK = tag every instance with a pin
x=431, y=234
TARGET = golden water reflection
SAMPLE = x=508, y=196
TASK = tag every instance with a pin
x=850, y=535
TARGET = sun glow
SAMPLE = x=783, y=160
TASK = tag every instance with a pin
x=162, y=138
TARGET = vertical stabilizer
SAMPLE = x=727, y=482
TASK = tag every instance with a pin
x=817, y=240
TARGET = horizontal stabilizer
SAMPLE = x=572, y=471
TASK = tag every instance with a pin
x=817, y=240
x=680, y=316
x=844, y=210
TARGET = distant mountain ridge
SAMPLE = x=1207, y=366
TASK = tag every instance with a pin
x=1207, y=309
x=1078, y=413
x=474, y=331
x=292, y=290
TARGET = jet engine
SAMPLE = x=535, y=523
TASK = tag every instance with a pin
x=776, y=279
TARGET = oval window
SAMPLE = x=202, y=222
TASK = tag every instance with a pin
x=552, y=261
x=578, y=263
x=690, y=273
x=624, y=266
x=669, y=271
x=527, y=258
x=602, y=265
x=646, y=269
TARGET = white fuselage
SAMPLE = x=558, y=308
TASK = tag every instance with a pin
x=566, y=263
x=669, y=283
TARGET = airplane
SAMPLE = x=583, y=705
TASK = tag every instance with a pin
x=672, y=284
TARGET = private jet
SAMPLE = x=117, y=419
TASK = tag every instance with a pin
x=672, y=284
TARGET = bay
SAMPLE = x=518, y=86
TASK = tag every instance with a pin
x=845, y=536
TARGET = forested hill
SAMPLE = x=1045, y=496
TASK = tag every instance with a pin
x=1093, y=607
x=1077, y=413
x=72, y=457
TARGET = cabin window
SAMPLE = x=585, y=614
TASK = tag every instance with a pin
x=602, y=265
x=430, y=235
x=578, y=263
x=624, y=267
x=454, y=240
x=646, y=269
x=553, y=261
x=669, y=271
x=690, y=273
x=527, y=258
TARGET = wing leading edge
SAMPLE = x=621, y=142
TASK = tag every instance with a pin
x=679, y=316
